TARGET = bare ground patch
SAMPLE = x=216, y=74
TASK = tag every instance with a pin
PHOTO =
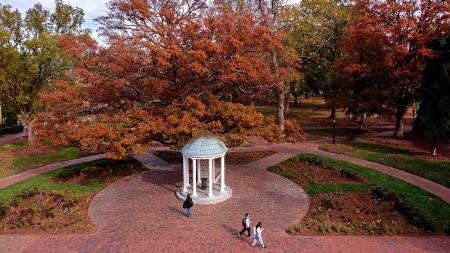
x=39, y=211
x=354, y=213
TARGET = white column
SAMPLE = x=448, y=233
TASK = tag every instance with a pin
x=185, y=175
x=222, y=174
x=187, y=172
x=199, y=170
x=214, y=169
x=194, y=182
x=210, y=180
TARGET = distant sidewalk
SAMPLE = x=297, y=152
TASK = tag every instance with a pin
x=12, y=137
x=313, y=148
x=7, y=181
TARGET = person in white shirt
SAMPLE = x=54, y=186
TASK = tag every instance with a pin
x=246, y=225
x=258, y=236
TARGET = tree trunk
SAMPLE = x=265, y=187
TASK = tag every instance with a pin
x=333, y=112
x=314, y=101
x=295, y=99
x=433, y=149
x=281, y=98
x=399, y=115
x=286, y=103
x=361, y=122
x=1, y=115
x=30, y=134
x=28, y=124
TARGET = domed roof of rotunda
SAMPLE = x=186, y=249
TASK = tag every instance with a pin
x=204, y=147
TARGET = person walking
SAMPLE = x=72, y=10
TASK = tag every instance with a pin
x=258, y=236
x=245, y=225
x=187, y=204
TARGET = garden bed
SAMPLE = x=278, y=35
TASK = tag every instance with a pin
x=35, y=211
x=361, y=201
x=401, y=157
x=57, y=202
x=354, y=213
x=235, y=158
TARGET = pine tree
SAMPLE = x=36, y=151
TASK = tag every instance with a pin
x=433, y=121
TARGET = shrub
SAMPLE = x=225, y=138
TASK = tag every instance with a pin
x=336, y=148
x=10, y=129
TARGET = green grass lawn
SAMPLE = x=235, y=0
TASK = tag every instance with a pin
x=419, y=206
x=10, y=164
x=95, y=171
x=401, y=158
x=58, y=201
x=12, y=146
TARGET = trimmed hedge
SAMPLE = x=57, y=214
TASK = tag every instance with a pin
x=10, y=129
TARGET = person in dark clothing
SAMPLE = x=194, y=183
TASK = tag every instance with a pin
x=187, y=204
x=246, y=225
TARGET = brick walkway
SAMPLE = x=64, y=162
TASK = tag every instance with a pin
x=141, y=214
x=46, y=168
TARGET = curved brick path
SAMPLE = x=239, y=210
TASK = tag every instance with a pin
x=141, y=214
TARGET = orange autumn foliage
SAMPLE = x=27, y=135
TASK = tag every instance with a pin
x=121, y=133
x=163, y=76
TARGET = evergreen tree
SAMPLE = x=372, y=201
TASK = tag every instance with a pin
x=433, y=120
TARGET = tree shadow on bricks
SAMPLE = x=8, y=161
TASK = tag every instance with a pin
x=230, y=230
x=165, y=179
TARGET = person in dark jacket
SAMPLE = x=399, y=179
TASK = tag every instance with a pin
x=187, y=204
x=245, y=225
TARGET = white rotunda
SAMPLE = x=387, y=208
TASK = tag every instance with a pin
x=209, y=152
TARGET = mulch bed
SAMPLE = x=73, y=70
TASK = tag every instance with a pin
x=307, y=174
x=336, y=148
x=40, y=211
x=354, y=213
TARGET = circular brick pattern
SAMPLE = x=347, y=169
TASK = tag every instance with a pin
x=147, y=202
x=141, y=214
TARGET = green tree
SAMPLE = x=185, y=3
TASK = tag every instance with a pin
x=317, y=26
x=30, y=58
x=433, y=120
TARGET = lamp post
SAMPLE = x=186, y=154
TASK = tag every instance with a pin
x=334, y=130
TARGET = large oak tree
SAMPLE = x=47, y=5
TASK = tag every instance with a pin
x=401, y=30
x=163, y=74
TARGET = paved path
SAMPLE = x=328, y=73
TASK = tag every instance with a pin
x=12, y=137
x=141, y=214
x=427, y=185
x=46, y=168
